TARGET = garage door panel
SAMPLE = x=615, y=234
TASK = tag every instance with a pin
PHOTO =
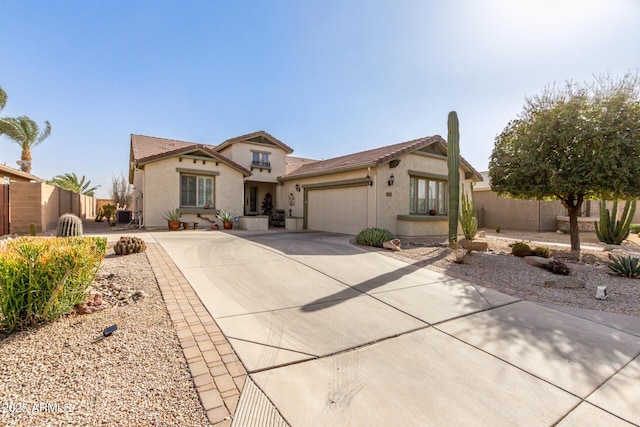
x=338, y=210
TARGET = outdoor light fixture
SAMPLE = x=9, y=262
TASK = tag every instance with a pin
x=369, y=181
x=391, y=180
x=298, y=187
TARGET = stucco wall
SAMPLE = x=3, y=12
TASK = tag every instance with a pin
x=298, y=209
x=394, y=200
x=385, y=202
x=242, y=153
x=24, y=206
x=496, y=211
x=161, y=183
x=42, y=204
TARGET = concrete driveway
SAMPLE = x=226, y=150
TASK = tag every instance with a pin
x=336, y=335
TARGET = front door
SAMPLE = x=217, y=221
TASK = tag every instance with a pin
x=253, y=200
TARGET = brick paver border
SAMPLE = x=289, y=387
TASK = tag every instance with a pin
x=217, y=373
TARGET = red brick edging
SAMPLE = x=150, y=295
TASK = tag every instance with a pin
x=217, y=373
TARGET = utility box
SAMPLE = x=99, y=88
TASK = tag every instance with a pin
x=124, y=217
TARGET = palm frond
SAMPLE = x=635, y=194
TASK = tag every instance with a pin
x=3, y=99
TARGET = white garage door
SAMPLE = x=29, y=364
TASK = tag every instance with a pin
x=339, y=210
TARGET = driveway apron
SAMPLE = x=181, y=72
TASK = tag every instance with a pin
x=337, y=335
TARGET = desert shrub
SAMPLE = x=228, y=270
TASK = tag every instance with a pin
x=625, y=265
x=497, y=229
x=558, y=267
x=373, y=237
x=521, y=249
x=634, y=228
x=129, y=245
x=44, y=278
x=541, y=251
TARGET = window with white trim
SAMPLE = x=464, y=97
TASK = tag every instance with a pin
x=196, y=191
x=427, y=196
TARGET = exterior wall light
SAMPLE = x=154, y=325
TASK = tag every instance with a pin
x=298, y=187
x=391, y=180
x=369, y=181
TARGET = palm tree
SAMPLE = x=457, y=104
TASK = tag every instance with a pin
x=26, y=133
x=3, y=99
x=70, y=181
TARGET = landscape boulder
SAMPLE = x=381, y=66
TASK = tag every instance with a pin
x=537, y=261
x=478, y=245
x=394, y=244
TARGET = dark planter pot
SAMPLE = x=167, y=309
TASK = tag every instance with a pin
x=173, y=225
x=228, y=225
x=432, y=212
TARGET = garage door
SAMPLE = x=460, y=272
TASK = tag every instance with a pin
x=339, y=210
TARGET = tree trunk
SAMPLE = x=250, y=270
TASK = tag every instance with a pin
x=574, y=233
x=573, y=205
x=26, y=157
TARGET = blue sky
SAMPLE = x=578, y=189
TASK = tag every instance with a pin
x=326, y=77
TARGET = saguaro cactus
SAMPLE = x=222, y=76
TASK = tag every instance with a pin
x=468, y=219
x=69, y=225
x=453, y=164
x=611, y=230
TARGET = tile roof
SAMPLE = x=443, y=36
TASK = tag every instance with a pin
x=12, y=173
x=253, y=135
x=373, y=157
x=146, y=149
x=294, y=163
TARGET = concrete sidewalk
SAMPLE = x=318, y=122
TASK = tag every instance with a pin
x=335, y=335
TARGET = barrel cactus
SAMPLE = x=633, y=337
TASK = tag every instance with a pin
x=69, y=225
x=453, y=164
x=129, y=245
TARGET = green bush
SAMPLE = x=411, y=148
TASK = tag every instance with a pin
x=634, y=228
x=625, y=265
x=373, y=237
x=43, y=278
x=521, y=249
x=541, y=251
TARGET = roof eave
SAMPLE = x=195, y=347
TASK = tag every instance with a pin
x=328, y=171
x=186, y=150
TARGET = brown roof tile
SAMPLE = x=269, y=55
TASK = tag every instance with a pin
x=294, y=163
x=145, y=149
x=252, y=135
x=13, y=173
x=373, y=157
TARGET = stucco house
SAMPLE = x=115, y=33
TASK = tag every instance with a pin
x=401, y=187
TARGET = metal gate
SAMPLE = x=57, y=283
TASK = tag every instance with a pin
x=4, y=210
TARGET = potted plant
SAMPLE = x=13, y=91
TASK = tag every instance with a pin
x=173, y=219
x=227, y=219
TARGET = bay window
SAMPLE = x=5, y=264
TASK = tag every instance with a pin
x=427, y=195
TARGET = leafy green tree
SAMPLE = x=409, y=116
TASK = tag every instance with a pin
x=572, y=143
x=70, y=181
x=26, y=133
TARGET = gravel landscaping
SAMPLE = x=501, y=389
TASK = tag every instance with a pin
x=500, y=270
x=62, y=373
x=66, y=373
